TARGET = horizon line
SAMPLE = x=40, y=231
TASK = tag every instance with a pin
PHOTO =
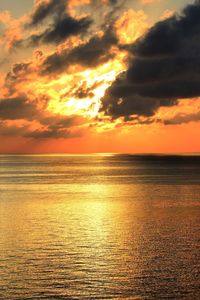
x=101, y=153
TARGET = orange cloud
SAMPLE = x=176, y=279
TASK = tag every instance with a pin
x=167, y=14
x=75, y=3
x=186, y=110
x=131, y=25
x=5, y=17
x=149, y=1
x=13, y=30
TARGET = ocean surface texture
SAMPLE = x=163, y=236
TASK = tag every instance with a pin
x=99, y=227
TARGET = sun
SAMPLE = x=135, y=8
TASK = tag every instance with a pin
x=63, y=91
x=65, y=97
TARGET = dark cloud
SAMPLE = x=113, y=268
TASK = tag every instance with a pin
x=17, y=74
x=124, y=99
x=44, y=10
x=51, y=125
x=17, y=108
x=164, y=65
x=26, y=131
x=55, y=23
x=11, y=130
x=60, y=31
x=183, y=118
x=114, y=2
x=81, y=90
x=57, y=122
x=56, y=126
x=52, y=134
x=84, y=91
x=91, y=54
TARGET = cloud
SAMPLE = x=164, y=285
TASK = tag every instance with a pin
x=84, y=91
x=52, y=134
x=11, y=130
x=5, y=17
x=20, y=115
x=45, y=9
x=60, y=31
x=11, y=31
x=17, y=108
x=26, y=130
x=124, y=99
x=57, y=126
x=145, y=2
x=183, y=118
x=46, y=96
x=90, y=54
x=131, y=25
x=55, y=24
x=164, y=65
x=167, y=14
x=17, y=74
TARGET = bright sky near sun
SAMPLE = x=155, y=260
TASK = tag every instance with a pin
x=99, y=76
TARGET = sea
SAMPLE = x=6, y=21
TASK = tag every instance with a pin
x=100, y=226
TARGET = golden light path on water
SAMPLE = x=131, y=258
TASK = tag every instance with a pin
x=98, y=227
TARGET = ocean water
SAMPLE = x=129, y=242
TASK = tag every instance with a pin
x=99, y=227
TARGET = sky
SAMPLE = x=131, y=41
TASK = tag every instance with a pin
x=82, y=76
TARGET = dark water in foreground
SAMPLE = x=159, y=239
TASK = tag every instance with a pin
x=99, y=227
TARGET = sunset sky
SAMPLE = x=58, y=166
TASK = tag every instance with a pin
x=80, y=76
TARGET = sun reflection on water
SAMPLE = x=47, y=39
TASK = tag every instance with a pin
x=84, y=227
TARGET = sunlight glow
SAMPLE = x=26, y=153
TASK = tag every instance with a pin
x=95, y=83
